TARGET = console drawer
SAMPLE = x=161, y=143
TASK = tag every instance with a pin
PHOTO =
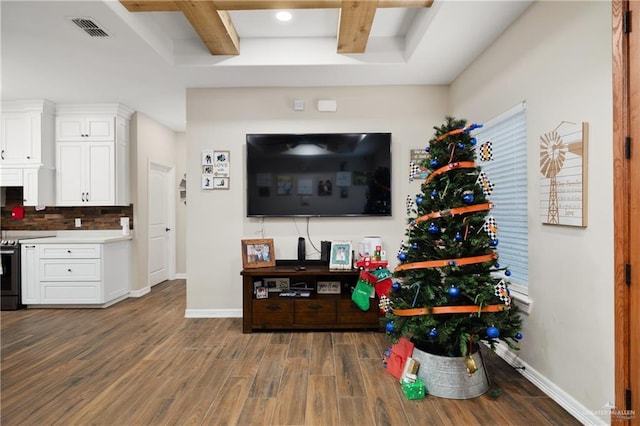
x=272, y=313
x=350, y=313
x=315, y=311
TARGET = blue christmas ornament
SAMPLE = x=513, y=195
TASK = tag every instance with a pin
x=454, y=291
x=467, y=197
x=474, y=141
x=507, y=273
x=402, y=256
x=433, y=333
x=389, y=327
x=396, y=286
x=458, y=237
x=518, y=335
x=433, y=228
x=497, y=265
x=461, y=145
x=419, y=200
x=493, y=332
x=493, y=242
x=427, y=149
x=434, y=163
x=434, y=193
x=415, y=246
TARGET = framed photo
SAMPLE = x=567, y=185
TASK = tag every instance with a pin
x=276, y=284
x=341, y=257
x=328, y=287
x=221, y=163
x=258, y=253
x=221, y=183
x=207, y=157
x=262, y=293
x=207, y=181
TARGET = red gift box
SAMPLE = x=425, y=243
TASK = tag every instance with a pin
x=398, y=357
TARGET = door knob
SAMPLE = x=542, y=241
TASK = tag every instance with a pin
x=167, y=229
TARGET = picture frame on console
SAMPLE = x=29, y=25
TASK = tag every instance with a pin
x=341, y=255
x=258, y=253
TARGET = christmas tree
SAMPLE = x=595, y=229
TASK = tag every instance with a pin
x=450, y=291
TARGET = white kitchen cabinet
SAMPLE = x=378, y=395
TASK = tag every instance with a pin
x=85, y=127
x=29, y=274
x=75, y=273
x=27, y=133
x=85, y=174
x=38, y=186
x=92, y=155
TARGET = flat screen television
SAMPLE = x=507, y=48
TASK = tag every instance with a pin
x=318, y=174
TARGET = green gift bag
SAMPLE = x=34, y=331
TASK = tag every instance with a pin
x=361, y=294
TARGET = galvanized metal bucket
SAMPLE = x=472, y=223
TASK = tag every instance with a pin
x=448, y=377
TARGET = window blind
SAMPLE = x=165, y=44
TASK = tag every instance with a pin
x=508, y=172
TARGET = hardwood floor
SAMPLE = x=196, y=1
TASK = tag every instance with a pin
x=140, y=362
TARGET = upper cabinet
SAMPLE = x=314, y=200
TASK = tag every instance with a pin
x=94, y=128
x=27, y=134
x=92, y=161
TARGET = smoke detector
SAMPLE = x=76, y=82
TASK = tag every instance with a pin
x=89, y=26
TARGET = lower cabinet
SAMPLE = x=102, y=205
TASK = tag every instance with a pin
x=316, y=312
x=75, y=274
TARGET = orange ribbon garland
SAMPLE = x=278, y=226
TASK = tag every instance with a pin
x=466, y=309
x=451, y=166
x=441, y=263
x=455, y=211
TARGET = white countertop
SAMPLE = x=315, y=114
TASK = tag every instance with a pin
x=79, y=237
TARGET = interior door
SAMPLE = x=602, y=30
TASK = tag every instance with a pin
x=160, y=231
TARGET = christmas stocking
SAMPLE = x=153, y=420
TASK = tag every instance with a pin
x=361, y=295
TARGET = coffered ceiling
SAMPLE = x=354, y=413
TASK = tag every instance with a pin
x=146, y=53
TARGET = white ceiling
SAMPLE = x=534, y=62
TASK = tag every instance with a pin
x=151, y=58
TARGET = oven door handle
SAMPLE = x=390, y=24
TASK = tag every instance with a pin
x=7, y=252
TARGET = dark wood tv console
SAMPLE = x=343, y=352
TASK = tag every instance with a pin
x=316, y=312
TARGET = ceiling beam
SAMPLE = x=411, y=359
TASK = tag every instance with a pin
x=212, y=25
x=171, y=5
x=356, y=19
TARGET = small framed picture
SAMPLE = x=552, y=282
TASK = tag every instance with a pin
x=220, y=183
x=276, y=284
x=262, y=293
x=341, y=257
x=207, y=181
x=207, y=170
x=328, y=287
x=207, y=157
x=258, y=253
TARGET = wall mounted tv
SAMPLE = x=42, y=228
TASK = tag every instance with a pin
x=319, y=174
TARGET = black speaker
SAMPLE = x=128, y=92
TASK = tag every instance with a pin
x=301, y=249
x=325, y=251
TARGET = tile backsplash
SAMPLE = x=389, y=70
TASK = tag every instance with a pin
x=61, y=218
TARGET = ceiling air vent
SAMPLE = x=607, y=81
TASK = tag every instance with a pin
x=89, y=27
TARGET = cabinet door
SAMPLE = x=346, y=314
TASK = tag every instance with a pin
x=69, y=174
x=100, y=128
x=30, y=281
x=99, y=174
x=70, y=128
x=14, y=138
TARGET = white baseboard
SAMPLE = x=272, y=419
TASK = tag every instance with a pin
x=139, y=293
x=566, y=401
x=181, y=276
x=213, y=313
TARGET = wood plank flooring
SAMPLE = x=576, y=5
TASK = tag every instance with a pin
x=140, y=362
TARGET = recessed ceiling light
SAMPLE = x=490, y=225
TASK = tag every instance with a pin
x=283, y=15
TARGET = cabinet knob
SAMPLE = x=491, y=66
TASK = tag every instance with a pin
x=69, y=251
x=2, y=154
x=69, y=270
x=28, y=157
x=87, y=196
x=315, y=307
x=273, y=307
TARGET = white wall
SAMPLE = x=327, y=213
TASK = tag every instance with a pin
x=557, y=58
x=150, y=141
x=181, y=208
x=219, y=119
